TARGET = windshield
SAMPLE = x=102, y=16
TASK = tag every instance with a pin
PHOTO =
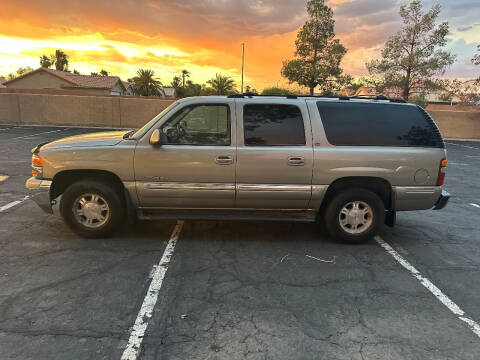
x=139, y=133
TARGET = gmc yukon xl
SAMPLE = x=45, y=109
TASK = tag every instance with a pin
x=351, y=162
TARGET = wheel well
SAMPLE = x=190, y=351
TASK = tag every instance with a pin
x=379, y=186
x=64, y=179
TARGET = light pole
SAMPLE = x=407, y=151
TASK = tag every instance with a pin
x=243, y=63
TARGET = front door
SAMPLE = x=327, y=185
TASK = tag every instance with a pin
x=194, y=167
x=274, y=154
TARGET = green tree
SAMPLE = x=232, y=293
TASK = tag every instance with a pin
x=414, y=55
x=146, y=84
x=103, y=72
x=275, y=90
x=60, y=60
x=176, y=82
x=476, y=61
x=222, y=84
x=19, y=72
x=185, y=74
x=318, y=54
x=46, y=61
x=76, y=72
x=94, y=73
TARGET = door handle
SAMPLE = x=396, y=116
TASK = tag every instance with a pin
x=296, y=161
x=224, y=160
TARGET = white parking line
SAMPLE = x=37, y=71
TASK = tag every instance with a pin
x=476, y=205
x=40, y=133
x=144, y=315
x=12, y=204
x=444, y=299
x=465, y=146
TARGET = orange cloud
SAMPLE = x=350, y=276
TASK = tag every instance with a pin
x=203, y=36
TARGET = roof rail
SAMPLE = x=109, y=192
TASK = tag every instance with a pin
x=339, y=97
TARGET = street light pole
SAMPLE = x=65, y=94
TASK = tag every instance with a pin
x=243, y=62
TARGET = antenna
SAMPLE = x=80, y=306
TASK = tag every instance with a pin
x=243, y=63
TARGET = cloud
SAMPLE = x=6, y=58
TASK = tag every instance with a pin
x=205, y=35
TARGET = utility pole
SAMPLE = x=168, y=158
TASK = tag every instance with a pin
x=243, y=63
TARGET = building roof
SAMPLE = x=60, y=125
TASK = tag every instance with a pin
x=78, y=81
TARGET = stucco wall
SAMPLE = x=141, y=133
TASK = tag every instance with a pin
x=457, y=124
x=133, y=112
x=105, y=111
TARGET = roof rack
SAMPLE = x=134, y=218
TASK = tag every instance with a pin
x=339, y=97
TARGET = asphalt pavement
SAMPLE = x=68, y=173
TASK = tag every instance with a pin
x=237, y=290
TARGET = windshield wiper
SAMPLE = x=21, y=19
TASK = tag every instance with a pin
x=128, y=134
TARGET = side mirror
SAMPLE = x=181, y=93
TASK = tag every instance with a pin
x=155, y=138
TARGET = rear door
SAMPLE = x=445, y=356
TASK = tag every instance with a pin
x=274, y=154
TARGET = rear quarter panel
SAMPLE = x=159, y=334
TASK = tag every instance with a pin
x=400, y=166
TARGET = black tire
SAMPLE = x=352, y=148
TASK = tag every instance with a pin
x=375, y=218
x=109, y=195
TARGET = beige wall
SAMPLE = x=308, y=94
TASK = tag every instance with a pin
x=111, y=111
x=39, y=80
x=133, y=112
x=457, y=124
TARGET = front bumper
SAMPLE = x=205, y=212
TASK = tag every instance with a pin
x=442, y=200
x=40, y=193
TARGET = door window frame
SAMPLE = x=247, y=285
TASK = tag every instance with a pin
x=229, y=119
x=302, y=106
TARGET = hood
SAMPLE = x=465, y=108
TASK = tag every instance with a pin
x=95, y=139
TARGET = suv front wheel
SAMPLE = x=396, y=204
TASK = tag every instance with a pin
x=354, y=215
x=92, y=209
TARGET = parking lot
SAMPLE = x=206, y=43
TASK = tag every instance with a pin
x=238, y=290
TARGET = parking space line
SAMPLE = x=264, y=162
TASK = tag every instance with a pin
x=465, y=146
x=144, y=315
x=444, y=299
x=40, y=133
x=12, y=204
x=476, y=205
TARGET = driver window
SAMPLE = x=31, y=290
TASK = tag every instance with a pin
x=206, y=124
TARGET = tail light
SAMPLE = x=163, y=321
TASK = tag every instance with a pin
x=441, y=172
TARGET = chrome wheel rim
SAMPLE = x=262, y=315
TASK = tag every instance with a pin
x=91, y=210
x=356, y=217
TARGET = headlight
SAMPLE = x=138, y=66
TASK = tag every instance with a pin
x=37, y=166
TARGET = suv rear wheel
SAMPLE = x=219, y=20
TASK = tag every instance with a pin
x=354, y=215
x=92, y=209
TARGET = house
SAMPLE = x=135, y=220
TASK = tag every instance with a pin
x=43, y=78
x=169, y=91
x=128, y=88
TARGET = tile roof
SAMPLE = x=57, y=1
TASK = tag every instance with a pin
x=86, y=81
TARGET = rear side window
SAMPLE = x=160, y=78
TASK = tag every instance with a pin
x=273, y=125
x=378, y=125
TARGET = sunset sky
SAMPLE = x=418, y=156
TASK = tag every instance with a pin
x=205, y=36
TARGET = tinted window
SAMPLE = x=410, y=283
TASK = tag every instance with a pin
x=378, y=125
x=273, y=125
x=207, y=124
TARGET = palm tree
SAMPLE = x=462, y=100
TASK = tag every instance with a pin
x=185, y=74
x=45, y=61
x=176, y=82
x=145, y=83
x=222, y=84
x=60, y=60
